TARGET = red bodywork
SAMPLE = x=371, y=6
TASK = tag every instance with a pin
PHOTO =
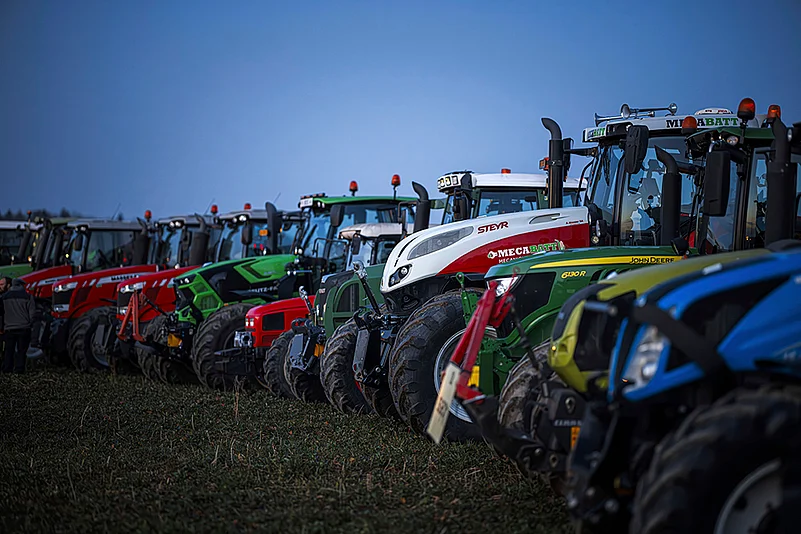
x=156, y=297
x=98, y=289
x=279, y=316
x=40, y=283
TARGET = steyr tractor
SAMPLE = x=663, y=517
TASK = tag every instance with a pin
x=271, y=328
x=495, y=218
x=698, y=415
x=183, y=243
x=637, y=215
x=242, y=238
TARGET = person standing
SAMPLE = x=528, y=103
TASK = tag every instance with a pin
x=16, y=323
x=5, y=285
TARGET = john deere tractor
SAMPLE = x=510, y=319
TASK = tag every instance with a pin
x=213, y=300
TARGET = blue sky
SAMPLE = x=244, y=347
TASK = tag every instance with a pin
x=166, y=105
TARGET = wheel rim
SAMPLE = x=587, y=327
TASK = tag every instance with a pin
x=753, y=502
x=443, y=357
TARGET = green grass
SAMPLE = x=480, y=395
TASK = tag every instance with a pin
x=102, y=453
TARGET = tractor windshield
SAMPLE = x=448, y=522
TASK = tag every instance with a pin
x=231, y=247
x=639, y=194
x=170, y=253
x=498, y=202
x=102, y=249
x=10, y=239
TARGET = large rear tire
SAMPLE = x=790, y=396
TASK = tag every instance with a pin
x=721, y=467
x=336, y=371
x=304, y=386
x=214, y=334
x=154, y=336
x=79, y=342
x=421, y=351
x=274, y=379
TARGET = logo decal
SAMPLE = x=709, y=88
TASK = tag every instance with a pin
x=508, y=254
x=492, y=227
x=573, y=274
x=652, y=260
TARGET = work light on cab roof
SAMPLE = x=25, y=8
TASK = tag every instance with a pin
x=247, y=205
x=148, y=215
x=506, y=171
x=746, y=110
x=774, y=112
x=214, y=209
x=353, y=188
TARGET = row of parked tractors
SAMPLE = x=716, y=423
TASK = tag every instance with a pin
x=631, y=336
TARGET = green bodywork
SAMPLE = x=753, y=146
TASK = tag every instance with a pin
x=549, y=278
x=15, y=271
x=346, y=298
x=206, y=300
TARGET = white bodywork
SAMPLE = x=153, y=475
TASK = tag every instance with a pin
x=489, y=241
x=371, y=230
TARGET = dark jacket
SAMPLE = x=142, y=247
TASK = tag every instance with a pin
x=18, y=308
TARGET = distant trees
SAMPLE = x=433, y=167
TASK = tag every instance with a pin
x=19, y=215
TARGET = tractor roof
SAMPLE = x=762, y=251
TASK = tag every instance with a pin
x=670, y=124
x=503, y=181
x=12, y=225
x=319, y=200
x=371, y=230
x=257, y=215
x=185, y=219
x=104, y=224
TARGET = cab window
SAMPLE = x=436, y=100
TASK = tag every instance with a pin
x=758, y=200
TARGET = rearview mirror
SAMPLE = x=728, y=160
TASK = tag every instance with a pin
x=247, y=233
x=356, y=244
x=77, y=243
x=716, y=183
x=337, y=214
x=274, y=224
x=636, y=148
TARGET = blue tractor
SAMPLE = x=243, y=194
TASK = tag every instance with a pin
x=699, y=428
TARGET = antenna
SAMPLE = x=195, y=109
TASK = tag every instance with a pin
x=209, y=206
x=115, y=211
x=276, y=197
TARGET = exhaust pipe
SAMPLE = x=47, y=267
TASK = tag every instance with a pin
x=556, y=171
x=671, y=197
x=421, y=218
x=779, y=221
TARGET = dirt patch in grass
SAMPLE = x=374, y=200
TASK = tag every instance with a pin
x=102, y=453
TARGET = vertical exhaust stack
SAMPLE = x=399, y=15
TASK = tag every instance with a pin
x=556, y=171
x=671, y=198
x=780, y=218
x=421, y=218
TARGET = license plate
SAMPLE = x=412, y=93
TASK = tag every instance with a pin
x=173, y=341
x=574, y=434
x=447, y=391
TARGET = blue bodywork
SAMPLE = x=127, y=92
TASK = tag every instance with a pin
x=767, y=337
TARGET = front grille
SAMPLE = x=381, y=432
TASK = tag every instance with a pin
x=123, y=299
x=533, y=292
x=183, y=298
x=62, y=297
x=349, y=299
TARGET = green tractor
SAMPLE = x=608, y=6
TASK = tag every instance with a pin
x=232, y=288
x=636, y=215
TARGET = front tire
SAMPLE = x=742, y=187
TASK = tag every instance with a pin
x=698, y=478
x=154, y=336
x=274, y=379
x=336, y=371
x=304, y=386
x=214, y=334
x=422, y=349
x=79, y=343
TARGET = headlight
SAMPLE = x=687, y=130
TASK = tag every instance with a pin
x=69, y=286
x=399, y=275
x=645, y=361
x=243, y=218
x=130, y=288
x=185, y=280
x=506, y=284
x=438, y=242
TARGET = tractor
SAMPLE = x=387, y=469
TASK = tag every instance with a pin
x=491, y=219
x=698, y=414
x=213, y=300
x=19, y=242
x=240, y=237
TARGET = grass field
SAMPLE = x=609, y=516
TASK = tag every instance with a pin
x=102, y=453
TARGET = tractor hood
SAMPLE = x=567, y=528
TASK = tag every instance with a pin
x=476, y=245
x=40, y=283
x=152, y=280
x=104, y=277
x=280, y=306
x=259, y=266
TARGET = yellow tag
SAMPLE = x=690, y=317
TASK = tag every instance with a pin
x=574, y=434
x=318, y=350
x=173, y=341
x=473, y=376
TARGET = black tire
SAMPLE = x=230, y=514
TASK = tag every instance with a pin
x=274, y=379
x=217, y=333
x=79, y=342
x=522, y=388
x=304, y=386
x=412, y=361
x=153, y=335
x=336, y=371
x=695, y=469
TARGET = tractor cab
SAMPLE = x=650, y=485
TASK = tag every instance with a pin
x=371, y=243
x=245, y=234
x=185, y=240
x=12, y=234
x=22, y=260
x=470, y=195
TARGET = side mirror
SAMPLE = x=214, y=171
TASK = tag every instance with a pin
x=636, y=148
x=274, y=224
x=247, y=233
x=716, y=183
x=356, y=244
x=77, y=243
x=337, y=214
